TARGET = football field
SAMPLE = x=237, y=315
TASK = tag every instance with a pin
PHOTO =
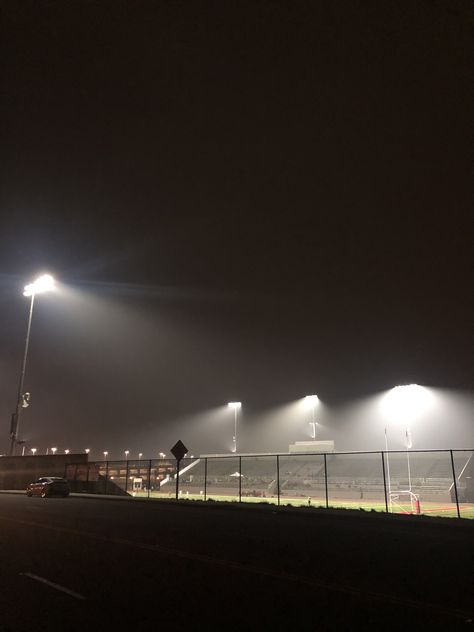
x=443, y=509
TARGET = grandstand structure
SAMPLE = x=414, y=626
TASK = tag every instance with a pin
x=351, y=476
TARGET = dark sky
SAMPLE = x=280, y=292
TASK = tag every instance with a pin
x=247, y=200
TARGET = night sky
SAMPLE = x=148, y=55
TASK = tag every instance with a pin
x=242, y=201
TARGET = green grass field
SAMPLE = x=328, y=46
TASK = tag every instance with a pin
x=447, y=510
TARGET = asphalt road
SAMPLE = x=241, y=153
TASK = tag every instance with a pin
x=86, y=564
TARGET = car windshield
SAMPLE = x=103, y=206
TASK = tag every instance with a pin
x=51, y=479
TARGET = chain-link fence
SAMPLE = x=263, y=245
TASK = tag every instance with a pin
x=432, y=482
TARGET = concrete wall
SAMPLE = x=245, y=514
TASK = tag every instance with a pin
x=311, y=446
x=17, y=471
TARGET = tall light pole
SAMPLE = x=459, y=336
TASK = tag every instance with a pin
x=404, y=404
x=388, y=470
x=311, y=401
x=126, y=452
x=235, y=406
x=42, y=284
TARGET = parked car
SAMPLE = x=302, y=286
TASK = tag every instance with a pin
x=48, y=486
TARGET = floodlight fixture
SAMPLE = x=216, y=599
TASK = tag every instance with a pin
x=53, y=450
x=44, y=283
x=25, y=400
x=33, y=451
x=235, y=405
x=66, y=451
x=405, y=403
x=126, y=452
x=87, y=450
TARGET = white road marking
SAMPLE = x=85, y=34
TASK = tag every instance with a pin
x=53, y=585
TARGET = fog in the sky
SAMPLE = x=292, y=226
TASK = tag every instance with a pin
x=124, y=368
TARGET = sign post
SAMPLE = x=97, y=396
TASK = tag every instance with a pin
x=178, y=451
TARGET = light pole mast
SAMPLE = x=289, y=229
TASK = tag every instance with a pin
x=311, y=401
x=388, y=470
x=42, y=284
x=235, y=406
x=19, y=401
x=235, y=429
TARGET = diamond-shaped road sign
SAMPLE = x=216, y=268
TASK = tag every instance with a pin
x=179, y=450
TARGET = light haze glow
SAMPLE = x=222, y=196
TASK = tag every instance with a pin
x=44, y=283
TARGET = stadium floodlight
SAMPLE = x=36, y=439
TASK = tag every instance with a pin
x=33, y=451
x=87, y=450
x=235, y=406
x=404, y=404
x=140, y=454
x=53, y=450
x=105, y=455
x=66, y=451
x=126, y=452
x=44, y=283
x=311, y=401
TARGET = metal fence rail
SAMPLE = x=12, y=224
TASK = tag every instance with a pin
x=432, y=482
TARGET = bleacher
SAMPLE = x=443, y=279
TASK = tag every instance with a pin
x=304, y=474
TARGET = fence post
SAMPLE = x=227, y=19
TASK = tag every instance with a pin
x=177, y=479
x=205, y=478
x=278, y=478
x=326, y=479
x=455, y=484
x=149, y=478
x=384, y=482
x=240, y=479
